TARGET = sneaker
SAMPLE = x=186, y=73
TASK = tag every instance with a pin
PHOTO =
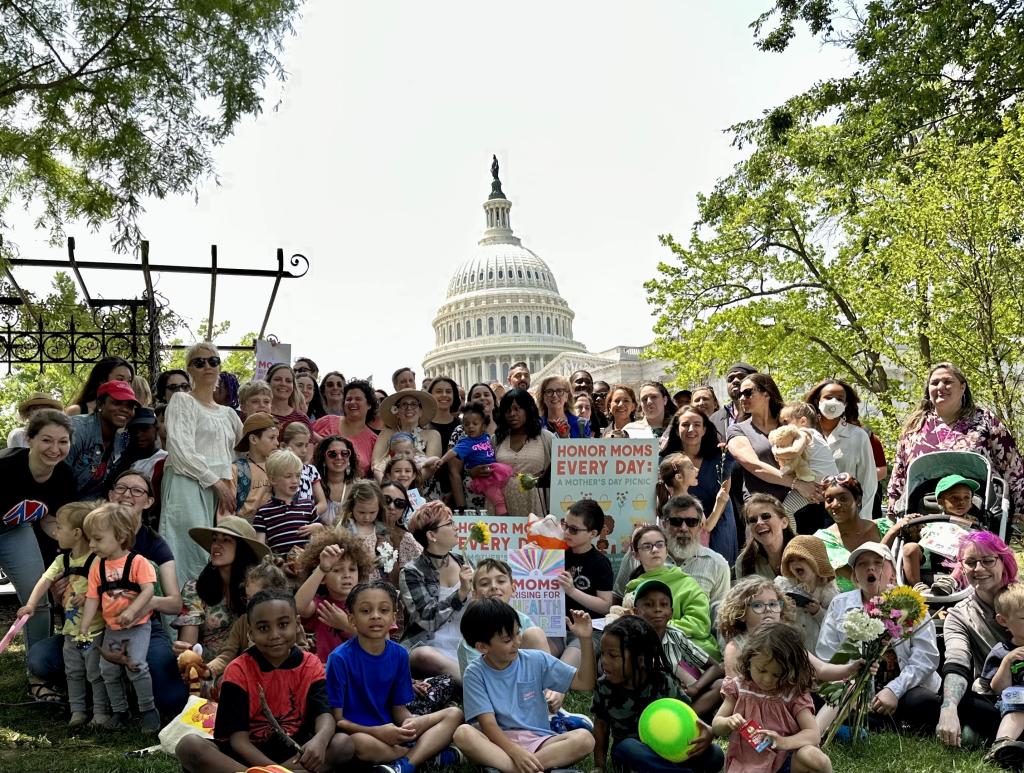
x=922, y=588
x=448, y=757
x=118, y=721
x=151, y=721
x=944, y=585
x=401, y=765
x=99, y=721
x=564, y=721
x=1006, y=753
x=78, y=718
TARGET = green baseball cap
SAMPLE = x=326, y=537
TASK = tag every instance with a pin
x=949, y=481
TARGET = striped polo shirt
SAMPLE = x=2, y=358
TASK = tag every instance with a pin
x=280, y=522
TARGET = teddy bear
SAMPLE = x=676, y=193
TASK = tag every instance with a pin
x=791, y=447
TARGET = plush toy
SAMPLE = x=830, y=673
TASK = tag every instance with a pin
x=192, y=669
x=545, y=532
x=791, y=447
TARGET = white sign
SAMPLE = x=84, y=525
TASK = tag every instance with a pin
x=270, y=353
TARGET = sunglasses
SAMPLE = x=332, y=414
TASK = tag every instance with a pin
x=202, y=362
x=401, y=504
x=843, y=477
x=345, y=454
x=762, y=517
x=183, y=387
x=747, y=393
x=679, y=522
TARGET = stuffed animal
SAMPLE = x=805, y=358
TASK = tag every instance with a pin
x=192, y=669
x=791, y=447
x=545, y=532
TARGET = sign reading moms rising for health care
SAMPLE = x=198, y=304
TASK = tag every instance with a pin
x=618, y=473
x=538, y=594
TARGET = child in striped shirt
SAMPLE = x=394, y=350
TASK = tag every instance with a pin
x=280, y=522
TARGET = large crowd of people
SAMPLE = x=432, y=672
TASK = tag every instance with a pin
x=300, y=530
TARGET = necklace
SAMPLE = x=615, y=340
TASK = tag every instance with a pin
x=442, y=561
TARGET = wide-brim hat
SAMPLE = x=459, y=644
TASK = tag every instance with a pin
x=39, y=400
x=810, y=549
x=233, y=526
x=389, y=407
x=869, y=547
x=254, y=422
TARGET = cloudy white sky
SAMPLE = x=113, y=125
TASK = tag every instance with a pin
x=607, y=118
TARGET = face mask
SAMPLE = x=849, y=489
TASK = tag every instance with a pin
x=831, y=408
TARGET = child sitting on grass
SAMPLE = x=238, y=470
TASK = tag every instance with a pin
x=635, y=674
x=281, y=523
x=808, y=579
x=699, y=674
x=772, y=687
x=369, y=685
x=80, y=666
x=121, y=583
x=290, y=682
x=336, y=562
x=503, y=693
x=1007, y=681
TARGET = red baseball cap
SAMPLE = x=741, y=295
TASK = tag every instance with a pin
x=117, y=390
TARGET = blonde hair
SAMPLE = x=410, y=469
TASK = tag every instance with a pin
x=74, y=513
x=1010, y=599
x=293, y=430
x=798, y=410
x=732, y=614
x=252, y=389
x=363, y=491
x=563, y=382
x=142, y=392
x=201, y=346
x=117, y=517
x=281, y=462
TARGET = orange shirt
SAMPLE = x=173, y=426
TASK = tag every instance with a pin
x=114, y=602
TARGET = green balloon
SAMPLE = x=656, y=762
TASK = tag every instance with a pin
x=669, y=726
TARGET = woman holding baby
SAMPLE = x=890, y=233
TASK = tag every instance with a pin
x=748, y=442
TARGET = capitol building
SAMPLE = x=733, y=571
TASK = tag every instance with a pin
x=503, y=306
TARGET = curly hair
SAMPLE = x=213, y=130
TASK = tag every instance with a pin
x=532, y=426
x=371, y=397
x=731, y=619
x=344, y=539
x=786, y=648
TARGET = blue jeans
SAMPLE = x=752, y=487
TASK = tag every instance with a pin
x=633, y=754
x=46, y=661
x=23, y=563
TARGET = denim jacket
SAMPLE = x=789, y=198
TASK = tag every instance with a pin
x=86, y=454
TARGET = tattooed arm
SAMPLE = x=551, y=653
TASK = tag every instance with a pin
x=954, y=687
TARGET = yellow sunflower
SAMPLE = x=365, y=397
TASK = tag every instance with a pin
x=908, y=600
x=479, y=533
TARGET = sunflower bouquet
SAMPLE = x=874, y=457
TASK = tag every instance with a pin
x=527, y=481
x=479, y=533
x=871, y=631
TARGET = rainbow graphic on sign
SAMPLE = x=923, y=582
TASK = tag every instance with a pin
x=538, y=593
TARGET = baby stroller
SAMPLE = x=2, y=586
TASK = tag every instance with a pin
x=991, y=506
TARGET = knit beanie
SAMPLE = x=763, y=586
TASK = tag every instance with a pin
x=810, y=549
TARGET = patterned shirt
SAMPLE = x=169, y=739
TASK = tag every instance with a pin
x=280, y=522
x=621, y=706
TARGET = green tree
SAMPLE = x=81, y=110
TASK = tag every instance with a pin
x=241, y=363
x=103, y=103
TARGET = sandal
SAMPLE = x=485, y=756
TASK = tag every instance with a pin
x=1006, y=753
x=40, y=692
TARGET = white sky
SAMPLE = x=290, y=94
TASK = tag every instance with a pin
x=607, y=119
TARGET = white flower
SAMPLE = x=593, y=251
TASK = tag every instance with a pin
x=386, y=556
x=860, y=627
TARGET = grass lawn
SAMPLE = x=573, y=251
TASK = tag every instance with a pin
x=35, y=738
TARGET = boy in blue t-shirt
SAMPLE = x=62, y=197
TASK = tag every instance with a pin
x=369, y=685
x=503, y=692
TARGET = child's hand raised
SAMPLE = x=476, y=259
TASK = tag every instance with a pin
x=333, y=616
x=581, y=624
x=330, y=556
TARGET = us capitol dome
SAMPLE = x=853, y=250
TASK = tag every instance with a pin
x=502, y=307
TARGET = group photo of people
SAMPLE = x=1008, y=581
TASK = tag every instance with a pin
x=286, y=551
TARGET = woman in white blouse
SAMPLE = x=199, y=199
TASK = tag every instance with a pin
x=197, y=486
x=837, y=406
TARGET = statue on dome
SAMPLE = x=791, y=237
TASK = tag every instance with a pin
x=494, y=167
x=496, y=192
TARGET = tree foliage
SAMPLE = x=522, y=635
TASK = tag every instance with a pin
x=874, y=227
x=103, y=103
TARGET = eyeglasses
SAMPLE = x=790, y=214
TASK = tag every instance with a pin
x=343, y=454
x=746, y=393
x=650, y=547
x=762, y=517
x=409, y=404
x=761, y=607
x=972, y=563
x=574, y=530
x=678, y=522
x=133, y=491
x=441, y=525
x=201, y=362
x=182, y=387
x=555, y=392
x=843, y=477
x=401, y=504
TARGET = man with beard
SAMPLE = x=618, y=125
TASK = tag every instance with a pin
x=682, y=518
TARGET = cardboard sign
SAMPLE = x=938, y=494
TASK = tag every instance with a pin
x=270, y=353
x=538, y=594
x=508, y=532
x=942, y=538
x=619, y=474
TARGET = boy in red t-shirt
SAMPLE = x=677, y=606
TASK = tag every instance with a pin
x=293, y=684
x=121, y=584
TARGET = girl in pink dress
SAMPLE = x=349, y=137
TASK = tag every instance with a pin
x=768, y=713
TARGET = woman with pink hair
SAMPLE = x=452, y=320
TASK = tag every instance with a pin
x=970, y=632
